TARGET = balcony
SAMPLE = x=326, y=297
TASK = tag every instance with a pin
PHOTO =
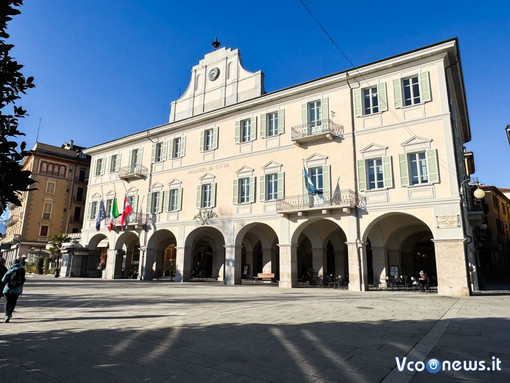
x=316, y=130
x=133, y=172
x=133, y=221
x=12, y=220
x=343, y=200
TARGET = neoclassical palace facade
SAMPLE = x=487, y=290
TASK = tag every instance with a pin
x=219, y=192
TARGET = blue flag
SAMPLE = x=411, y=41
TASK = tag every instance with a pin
x=101, y=215
x=309, y=184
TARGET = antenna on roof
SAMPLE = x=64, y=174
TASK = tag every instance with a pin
x=216, y=44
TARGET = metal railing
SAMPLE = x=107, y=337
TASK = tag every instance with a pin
x=316, y=128
x=138, y=171
x=345, y=198
x=134, y=219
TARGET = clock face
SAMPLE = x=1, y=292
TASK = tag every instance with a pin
x=214, y=73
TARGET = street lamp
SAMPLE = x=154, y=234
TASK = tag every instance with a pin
x=508, y=133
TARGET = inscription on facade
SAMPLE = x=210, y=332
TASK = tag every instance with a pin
x=209, y=168
x=447, y=221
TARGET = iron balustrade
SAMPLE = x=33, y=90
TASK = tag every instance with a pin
x=345, y=198
x=316, y=128
x=137, y=171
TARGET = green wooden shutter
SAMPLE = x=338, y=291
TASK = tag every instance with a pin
x=362, y=175
x=171, y=148
x=164, y=146
x=358, y=102
x=129, y=160
x=238, y=131
x=281, y=184
x=235, y=192
x=325, y=114
x=424, y=80
x=153, y=153
x=262, y=188
x=383, y=97
x=103, y=165
x=202, y=143
x=199, y=195
x=183, y=146
x=179, y=199
x=134, y=206
x=140, y=153
x=281, y=121
x=149, y=200
x=304, y=114
x=326, y=180
x=404, y=170
x=213, y=194
x=252, y=189
x=433, y=166
x=160, y=202
x=387, y=172
x=165, y=200
x=215, y=137
x=117, y=165
x=303, y=178
x=263, y=126
x=253, y=130
x=397, y=93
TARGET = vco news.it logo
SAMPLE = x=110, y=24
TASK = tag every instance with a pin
x=435, y=365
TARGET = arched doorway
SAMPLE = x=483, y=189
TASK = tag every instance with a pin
x=127, y=256
x=161, y=256
x=259, y=248
x=205, y=255
x=399, y=246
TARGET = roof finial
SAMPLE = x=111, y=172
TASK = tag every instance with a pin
x=216, y=44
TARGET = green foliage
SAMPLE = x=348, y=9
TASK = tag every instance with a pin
x=56, y=243
x=13, y=180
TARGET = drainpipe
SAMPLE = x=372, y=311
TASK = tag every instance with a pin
x=360, y=253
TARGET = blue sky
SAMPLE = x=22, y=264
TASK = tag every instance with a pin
x=105, y=69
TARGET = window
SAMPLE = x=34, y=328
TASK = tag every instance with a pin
x=206, y=196
x=62, y=171
x=47, y=208
x=370, y=101
x=411, y=89
x=316, y=175
x=44, y=167
x=176, y=147
x=81, y=177
x=77, y=213
x=314, y=113
x=43, y=231
x=135, y=160
x=271, y=187
x=99, y=167
x=173, y=199
x=154, y=202
x=245, y=130
x=209, y=139
x=79, y=195
x=158, y=152
x=495, y=202
x=108, y=207
x=50, y=187
x=375, y=174
x=114, y=163
x=418, y=170
x=94, y=205
x=244, y=190
x=503, y=208
x=272, y=124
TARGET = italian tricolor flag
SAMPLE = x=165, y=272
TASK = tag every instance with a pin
x=114, y=213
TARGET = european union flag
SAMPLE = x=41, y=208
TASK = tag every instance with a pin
x=101, y=215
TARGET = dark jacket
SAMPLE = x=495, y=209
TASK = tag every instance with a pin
x=3, y=270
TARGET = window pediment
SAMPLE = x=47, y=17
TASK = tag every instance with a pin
x=316, y=160
x=416, y=143
x=373, y=150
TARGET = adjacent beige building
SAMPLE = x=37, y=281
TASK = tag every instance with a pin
x=56, y=207
x=219, y=191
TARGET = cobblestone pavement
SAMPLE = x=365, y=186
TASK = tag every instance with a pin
x=89, y=330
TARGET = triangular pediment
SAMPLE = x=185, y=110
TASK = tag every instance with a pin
x=206, y=176
x=175, y=181
x=272, y=164
x=316, y=157
x=132, y=190
x=373, y=148
x=245, y=169
x=416, y=140
x=157, y=185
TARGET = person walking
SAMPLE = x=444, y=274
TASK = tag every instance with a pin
x=3, y=270
x=14, y=279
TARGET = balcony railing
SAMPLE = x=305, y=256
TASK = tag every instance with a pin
x=315, y=130
x=341, y=199
x=134, y=219
x=128, y=172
